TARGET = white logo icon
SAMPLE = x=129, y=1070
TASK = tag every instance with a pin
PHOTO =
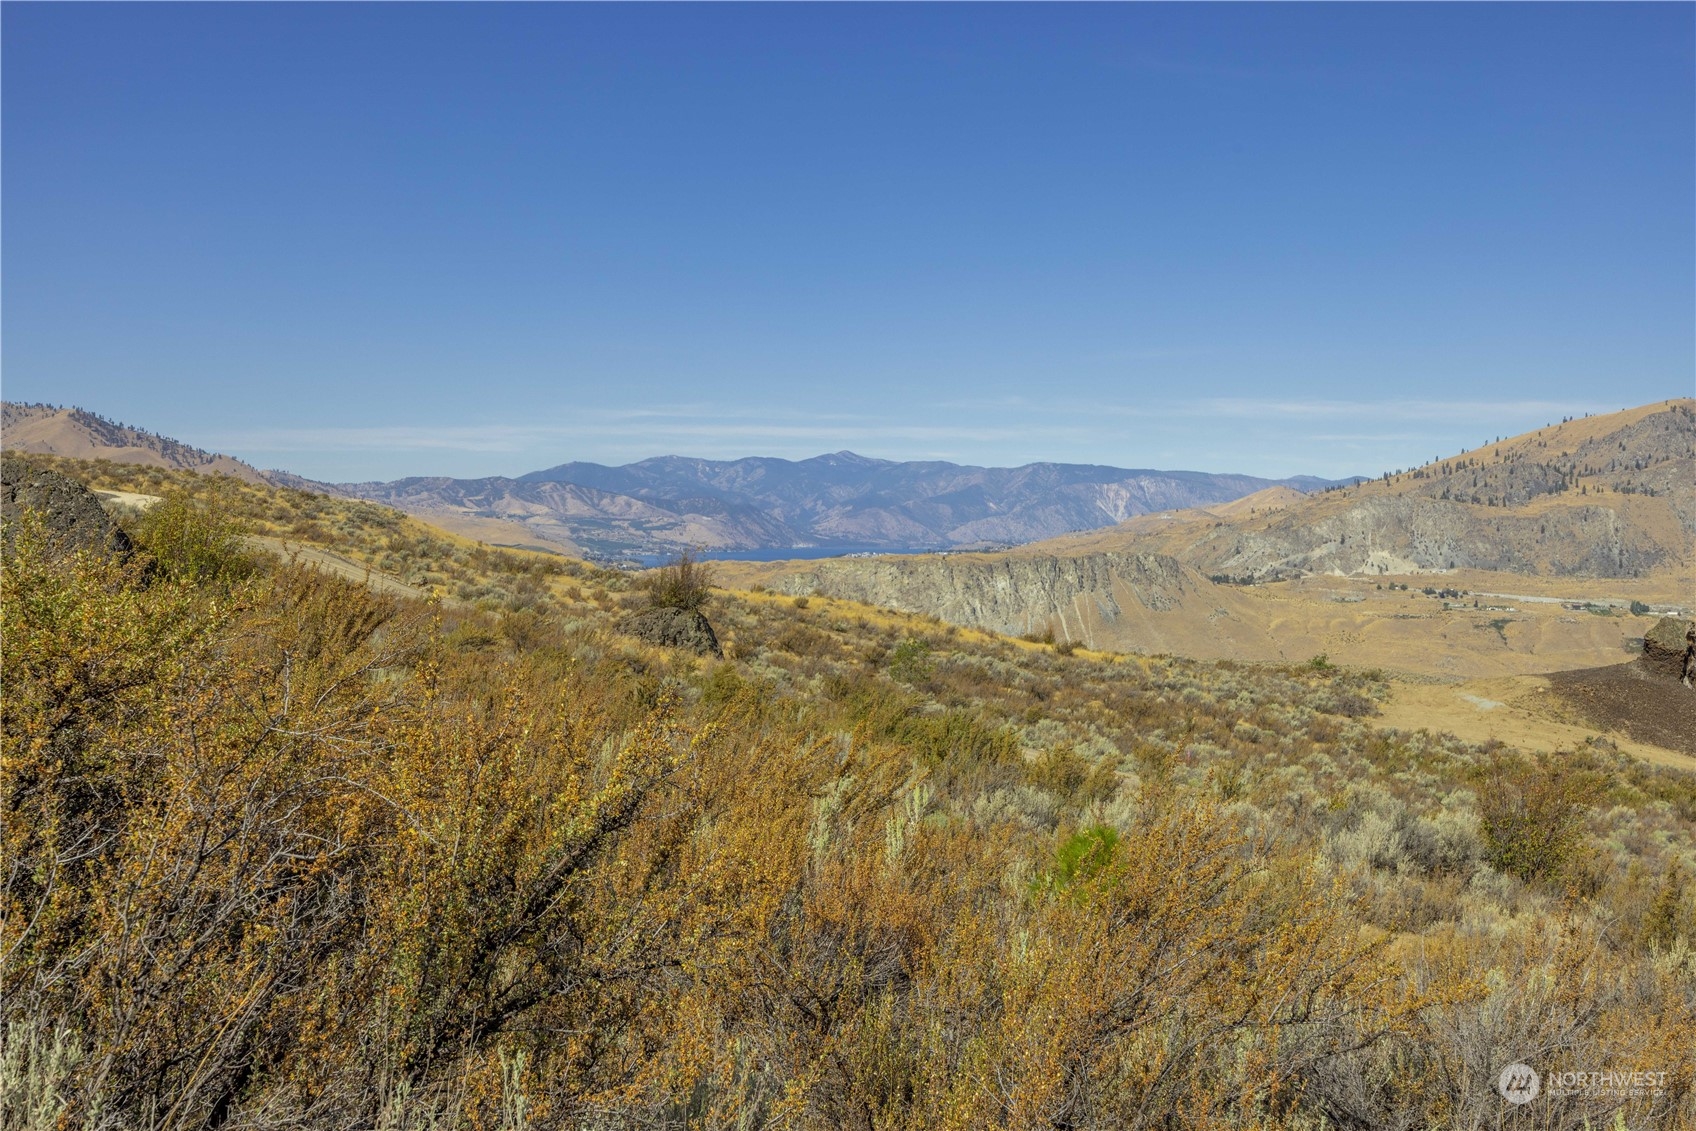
x=1518, y=1084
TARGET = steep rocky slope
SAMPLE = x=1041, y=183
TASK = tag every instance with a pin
x=1016, y=595
x=1608, y=497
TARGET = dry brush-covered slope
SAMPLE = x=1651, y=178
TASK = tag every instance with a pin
x=291, y=853
x=352, y=538
x=74, y=433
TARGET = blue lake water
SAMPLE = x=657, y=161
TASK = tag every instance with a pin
x=793, y=553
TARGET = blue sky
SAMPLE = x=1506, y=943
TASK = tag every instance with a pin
x=367, y=241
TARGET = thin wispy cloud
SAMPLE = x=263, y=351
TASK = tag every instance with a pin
x=596, y=428
x=1388, y=410
x=1255, y=408
x=1267, y=436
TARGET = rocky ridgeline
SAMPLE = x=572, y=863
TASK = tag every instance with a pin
x=1397, y=534
x=1649, y=456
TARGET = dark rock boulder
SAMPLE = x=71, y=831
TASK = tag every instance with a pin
x=72, y=514
x=1665, y=646
x=673, y=628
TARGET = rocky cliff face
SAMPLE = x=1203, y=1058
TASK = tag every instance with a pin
x=1072, y=597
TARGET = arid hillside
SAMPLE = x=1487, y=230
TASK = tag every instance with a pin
x=1574, y=526
x=352, y=538
x=1609, y=496
x=53, y=430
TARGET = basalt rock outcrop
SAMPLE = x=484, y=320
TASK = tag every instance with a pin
x=673, y=628
x=71, y=514
x=1665, y=646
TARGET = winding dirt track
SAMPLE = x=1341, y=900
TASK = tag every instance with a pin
x=336, y=564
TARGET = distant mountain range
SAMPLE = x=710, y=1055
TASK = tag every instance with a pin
x=842, y=502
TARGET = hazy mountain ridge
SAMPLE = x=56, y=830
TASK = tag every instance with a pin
x=853, y=500
x=669, y=503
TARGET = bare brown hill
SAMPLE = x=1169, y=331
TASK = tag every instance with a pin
x=44, y=429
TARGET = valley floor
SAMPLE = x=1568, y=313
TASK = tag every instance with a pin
x=1524, y=711
x=1475, y=624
